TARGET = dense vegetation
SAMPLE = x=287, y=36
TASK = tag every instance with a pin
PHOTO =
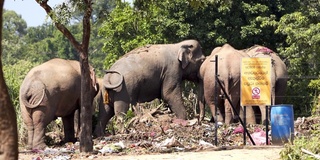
x=293, y=31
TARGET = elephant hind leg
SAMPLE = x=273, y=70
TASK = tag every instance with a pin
x=40, y=121
x=68, y=126
x=27, y=119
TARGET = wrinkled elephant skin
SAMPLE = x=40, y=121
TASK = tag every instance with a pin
x=51, y=90
x=279, y=75
x=150, y=72
x=229, y=60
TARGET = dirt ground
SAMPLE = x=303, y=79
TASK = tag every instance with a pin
x=247, y=153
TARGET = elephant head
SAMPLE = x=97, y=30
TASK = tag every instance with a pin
x=191, y=57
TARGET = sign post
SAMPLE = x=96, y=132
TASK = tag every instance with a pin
x=256, y=83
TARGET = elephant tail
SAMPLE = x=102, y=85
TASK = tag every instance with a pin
x=34, y=95
x=112, y=79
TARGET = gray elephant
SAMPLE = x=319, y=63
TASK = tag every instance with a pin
x=147, y=73
x=229, y=74
x=279, y=75
x=229, y=60
x=51, y=90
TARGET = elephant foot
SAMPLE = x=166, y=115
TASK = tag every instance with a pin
x=98, y=133
x=28, y=147
x=73, y=140
x=40, y=146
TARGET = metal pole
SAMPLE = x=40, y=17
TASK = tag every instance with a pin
x=235, y=111
x=244, y=127
x=267, y=125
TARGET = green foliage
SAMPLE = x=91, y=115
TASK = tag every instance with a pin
x=301, y=48
x=14, y=75
x=293, y=151
x=14, y=28
x=315, y=85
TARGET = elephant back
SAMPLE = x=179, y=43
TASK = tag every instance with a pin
x=259, y=51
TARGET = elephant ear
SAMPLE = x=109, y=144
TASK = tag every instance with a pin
x=93, y=78
x=184, y=55
x=113, y=80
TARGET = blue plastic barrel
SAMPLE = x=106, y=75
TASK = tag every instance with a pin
x=282, y=124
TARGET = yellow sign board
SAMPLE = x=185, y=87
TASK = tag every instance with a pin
x=255, y=81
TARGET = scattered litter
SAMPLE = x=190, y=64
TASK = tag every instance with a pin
x=169, y=142
x=238, y=129
x=113, y=148
x=259, y=137
x=205, y=144
x=317, y=156
x=167, y=134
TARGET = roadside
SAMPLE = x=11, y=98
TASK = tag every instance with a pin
x=246, y=153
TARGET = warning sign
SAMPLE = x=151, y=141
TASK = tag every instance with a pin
x=255, y=81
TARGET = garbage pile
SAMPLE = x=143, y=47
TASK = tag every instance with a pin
x=165, y=134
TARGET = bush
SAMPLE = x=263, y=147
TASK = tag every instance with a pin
x=309, y=141
x=14, y=75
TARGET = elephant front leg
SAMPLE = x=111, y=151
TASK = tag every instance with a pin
x=201, y=101
x=106, y=112
x=174, y=100
x=68, y=126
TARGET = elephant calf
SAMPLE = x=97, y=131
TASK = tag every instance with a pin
x=51, y=90
x=147, y=73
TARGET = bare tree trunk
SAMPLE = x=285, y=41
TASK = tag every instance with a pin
x=8, y=121
x=86, y=144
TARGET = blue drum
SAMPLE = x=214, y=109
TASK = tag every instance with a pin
x=282, y=124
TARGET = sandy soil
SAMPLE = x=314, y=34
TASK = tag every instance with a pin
x=248, y=153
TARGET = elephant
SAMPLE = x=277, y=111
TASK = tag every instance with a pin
x=50, y=90
x=147, y=73
x=279, y=79
x=229, y=60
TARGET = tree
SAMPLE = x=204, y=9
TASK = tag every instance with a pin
x=8, y=122
x=301, y=49
x=290, y=30
x=86, y=144
x=14, y=29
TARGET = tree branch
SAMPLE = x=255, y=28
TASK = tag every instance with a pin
x=61, y=27
x=86, y=26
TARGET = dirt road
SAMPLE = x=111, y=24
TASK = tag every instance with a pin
x=257, y=153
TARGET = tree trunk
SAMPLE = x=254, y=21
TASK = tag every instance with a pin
x=8, y=121
x=86, y=144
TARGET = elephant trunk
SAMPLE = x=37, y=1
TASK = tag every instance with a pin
x=112, y=79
